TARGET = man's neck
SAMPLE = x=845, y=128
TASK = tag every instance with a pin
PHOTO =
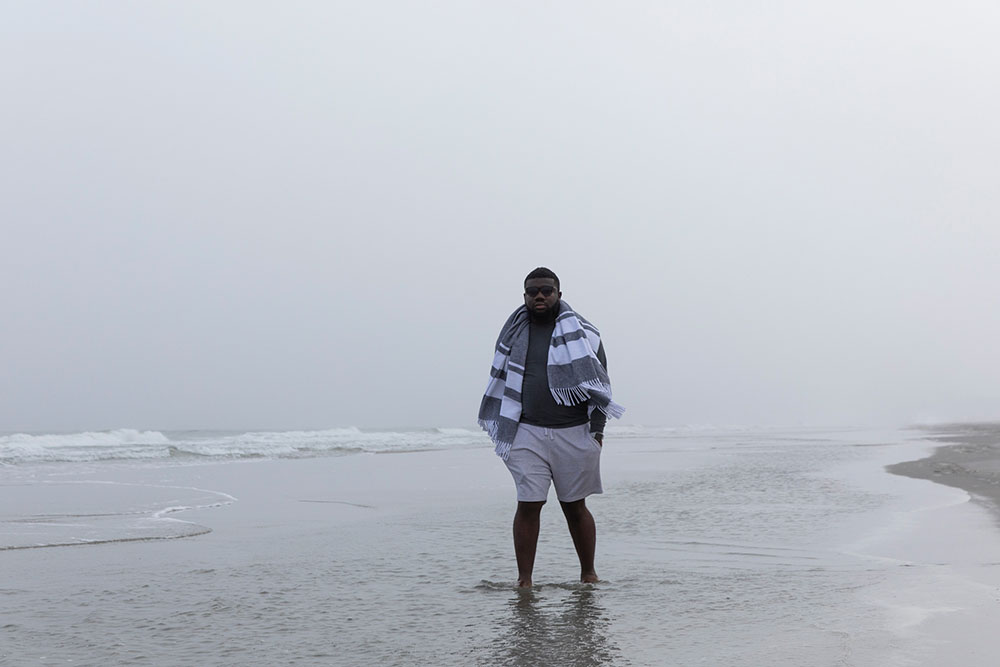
x=548, y=317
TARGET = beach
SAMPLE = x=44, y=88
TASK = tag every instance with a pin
x=715, y=546
x=968, y=459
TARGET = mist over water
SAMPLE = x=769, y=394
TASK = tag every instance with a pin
x=320, y=216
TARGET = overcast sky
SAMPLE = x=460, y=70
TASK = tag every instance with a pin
x=318, y=214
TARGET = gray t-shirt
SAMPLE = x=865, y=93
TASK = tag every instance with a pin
x=538, y=408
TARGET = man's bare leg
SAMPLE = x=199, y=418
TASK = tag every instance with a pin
x=526, y=521
x=584, y=532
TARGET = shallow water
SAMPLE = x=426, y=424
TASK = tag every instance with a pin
x=716, y=549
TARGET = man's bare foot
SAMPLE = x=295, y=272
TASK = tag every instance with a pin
x=524, y=583
x=589, y=578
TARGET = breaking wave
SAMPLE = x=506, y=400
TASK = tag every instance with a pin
x=130, y=444
x=137, y=445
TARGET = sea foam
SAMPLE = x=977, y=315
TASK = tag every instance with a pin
x=130, y=444
x=137, y=445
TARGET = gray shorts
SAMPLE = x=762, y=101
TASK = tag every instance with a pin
x=568, y=457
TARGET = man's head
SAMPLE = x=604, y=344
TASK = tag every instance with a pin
x=541, y=293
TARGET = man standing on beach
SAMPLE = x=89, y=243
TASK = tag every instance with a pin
x=545, y=408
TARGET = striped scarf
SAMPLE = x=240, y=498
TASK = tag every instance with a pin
x=574, y=372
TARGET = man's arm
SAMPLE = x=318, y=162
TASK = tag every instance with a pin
x=598, y=419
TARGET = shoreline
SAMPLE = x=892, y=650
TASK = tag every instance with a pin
x=968, y=458
x=801, y=543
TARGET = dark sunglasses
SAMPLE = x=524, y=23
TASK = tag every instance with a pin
x=533, y=291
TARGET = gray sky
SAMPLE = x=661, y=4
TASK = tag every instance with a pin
x=318, y=214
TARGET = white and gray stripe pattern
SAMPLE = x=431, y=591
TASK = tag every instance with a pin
x=575, y=374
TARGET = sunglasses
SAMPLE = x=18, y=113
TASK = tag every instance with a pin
x=533, y=291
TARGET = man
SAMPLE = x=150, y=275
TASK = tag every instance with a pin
x=545, y=408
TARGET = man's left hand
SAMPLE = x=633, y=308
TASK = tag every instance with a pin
x=599, y=437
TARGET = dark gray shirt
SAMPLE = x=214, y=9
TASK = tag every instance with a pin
x=538, y=408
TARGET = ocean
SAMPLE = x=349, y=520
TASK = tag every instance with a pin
x=737, y=546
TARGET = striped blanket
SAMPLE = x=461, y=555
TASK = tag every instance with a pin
x=574, y=372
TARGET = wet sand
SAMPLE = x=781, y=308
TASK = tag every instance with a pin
x=968, y=459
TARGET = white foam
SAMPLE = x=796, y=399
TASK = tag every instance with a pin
x=86, y=446
x=129, y=444
x=68, y=512
x=138, y=445
x=122, y=436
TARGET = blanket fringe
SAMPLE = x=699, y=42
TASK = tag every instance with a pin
x=580, y=393
x=503, y=449
x=492, y=428
x=613, y=409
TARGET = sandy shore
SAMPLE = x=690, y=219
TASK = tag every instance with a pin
x=969, y=460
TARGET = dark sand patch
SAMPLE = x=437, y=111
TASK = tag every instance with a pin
x=970, y=460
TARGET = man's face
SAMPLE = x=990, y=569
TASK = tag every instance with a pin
x=541, y=296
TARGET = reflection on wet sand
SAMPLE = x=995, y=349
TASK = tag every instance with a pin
x=564, y=625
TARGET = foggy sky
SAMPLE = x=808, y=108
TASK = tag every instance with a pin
x=310, y=215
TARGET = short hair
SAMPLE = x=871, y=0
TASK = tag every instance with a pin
x=542, y=272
